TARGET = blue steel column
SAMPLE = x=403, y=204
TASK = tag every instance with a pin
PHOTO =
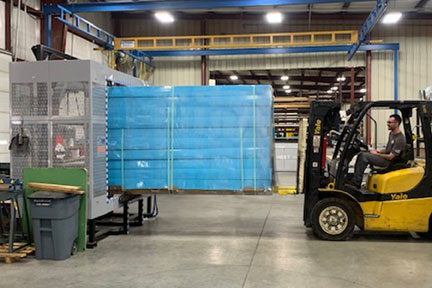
x=203, y=57
x=48, y=23
x=134, y=69
x=368, y=93
x=396, y=73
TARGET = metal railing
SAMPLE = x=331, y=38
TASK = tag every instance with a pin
x=237, y=41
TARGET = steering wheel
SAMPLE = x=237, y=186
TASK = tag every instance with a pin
x=361, y=144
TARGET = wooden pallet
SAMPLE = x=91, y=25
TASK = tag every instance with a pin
x=12, y=257
x=115, y=190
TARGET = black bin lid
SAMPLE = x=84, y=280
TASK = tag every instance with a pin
x=49, y=195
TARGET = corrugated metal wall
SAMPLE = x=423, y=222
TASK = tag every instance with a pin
x=101, y=20
x=2, y=25
x=28, y=35
x=284, y=61
x=138, y=27
x=169, y=71
x=176, y=71
x=83, y=49
x=4, y=107
x=415, y=66
x=28, y=32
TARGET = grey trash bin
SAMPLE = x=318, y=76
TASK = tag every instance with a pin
x=55, y=223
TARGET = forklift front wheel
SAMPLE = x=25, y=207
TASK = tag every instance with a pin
x=332, y=219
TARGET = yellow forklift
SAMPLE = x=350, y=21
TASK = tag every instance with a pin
x=395, y=198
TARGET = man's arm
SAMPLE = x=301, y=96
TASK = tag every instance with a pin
x=378, y=151
x=388, y=157
x=397, y=149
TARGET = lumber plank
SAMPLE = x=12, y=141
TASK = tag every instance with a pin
x=55, y=188
x=13, y=255
x=291, y=105
x=291, y=99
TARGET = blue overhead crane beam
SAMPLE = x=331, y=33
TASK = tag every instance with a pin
x=177, y=5
x=76, y=22
x=252, y=51
x=84, y=27
x=308, y=49
x=367, y=27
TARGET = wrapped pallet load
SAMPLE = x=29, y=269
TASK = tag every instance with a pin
x=215, y=138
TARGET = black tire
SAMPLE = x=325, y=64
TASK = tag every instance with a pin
x=337, y=221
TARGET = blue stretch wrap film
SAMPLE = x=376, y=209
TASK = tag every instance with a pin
x=190, y=137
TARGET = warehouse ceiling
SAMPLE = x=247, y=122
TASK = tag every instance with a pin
x=413, y=9
x=310, y=83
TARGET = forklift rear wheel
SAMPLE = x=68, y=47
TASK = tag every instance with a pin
x=332, y=219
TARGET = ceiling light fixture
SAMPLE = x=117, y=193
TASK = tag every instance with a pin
x=334, y=88
x=288, y=91
x=234, y=77
x=329, y=91
x=392, y=18
x=341, y=79
x=286, y=87
x=363, y=90
x=164, y=17
x=284, y=78
x=274, y=17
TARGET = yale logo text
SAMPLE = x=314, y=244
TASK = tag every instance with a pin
x=318, y=127
x=399, y=196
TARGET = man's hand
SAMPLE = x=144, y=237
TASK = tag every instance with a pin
x=388, y=157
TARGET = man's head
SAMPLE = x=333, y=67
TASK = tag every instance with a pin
x=393, y=122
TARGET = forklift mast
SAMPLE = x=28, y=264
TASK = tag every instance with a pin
x=324, y=117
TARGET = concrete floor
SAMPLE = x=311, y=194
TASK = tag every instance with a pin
x=232, y=241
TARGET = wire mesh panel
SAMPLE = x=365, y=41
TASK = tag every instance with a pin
x=99, y=173
x=70, y=99
x=99, y=101
x=26, y=101
x=37, y=153
x=60, y=106
x=70, y=145
x=99, y=168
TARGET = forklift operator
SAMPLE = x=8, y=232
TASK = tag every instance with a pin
x=381, y=157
